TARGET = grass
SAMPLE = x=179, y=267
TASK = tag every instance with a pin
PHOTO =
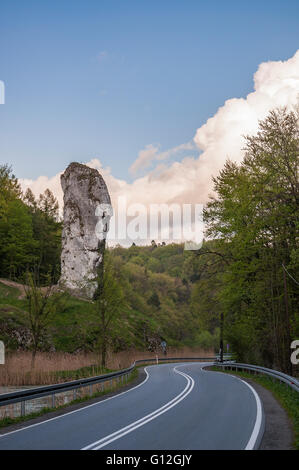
x=8, y=420
x=285, y=395
x=61, y=366
x=83, y=372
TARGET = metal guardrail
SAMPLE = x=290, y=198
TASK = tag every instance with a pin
x=171, y=359
x=51, y=391
x=23, y=396
x=38, y=392
x=288, y=379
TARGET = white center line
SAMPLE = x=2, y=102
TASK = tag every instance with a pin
x=141, y=422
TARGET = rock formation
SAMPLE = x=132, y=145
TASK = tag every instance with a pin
x=86, y=199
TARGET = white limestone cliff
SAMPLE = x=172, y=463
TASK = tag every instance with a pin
x=85, y=192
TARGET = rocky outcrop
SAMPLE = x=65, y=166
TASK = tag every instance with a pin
x=85, y=196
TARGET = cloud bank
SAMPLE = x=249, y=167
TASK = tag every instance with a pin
x=276, y=84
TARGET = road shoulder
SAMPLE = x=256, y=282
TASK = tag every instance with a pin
x=278, y=433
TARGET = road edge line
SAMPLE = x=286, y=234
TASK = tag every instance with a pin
x=259, y=425
x=260, y=415
x=79, y=409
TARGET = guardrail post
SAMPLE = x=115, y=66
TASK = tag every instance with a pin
x=75, y=394
x=23, y=408
x=53, y=400
x=90, y=390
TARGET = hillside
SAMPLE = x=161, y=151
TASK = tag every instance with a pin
x=158, y=285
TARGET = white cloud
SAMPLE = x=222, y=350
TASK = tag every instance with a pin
x=151, y=153
x=189, y=181
x=145, y=158
x=276, y=84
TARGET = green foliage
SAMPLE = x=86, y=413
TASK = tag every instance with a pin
x=17, y=245
x=154, y=300
x=254, y=220
x=158, y=290
x=9, y=189
x=30, y=233
x=109, y=303
x=47, y=233
x=83, y=372
x=206, y=340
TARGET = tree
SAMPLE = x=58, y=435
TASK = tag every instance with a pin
x=42, y=304
x=9, y=188
x=17, y=246
x=254, y=219
x=30, y=231
x=108, y=303
x=47, y=233
x=48, y=204
x=16, y=232
x=154, y=300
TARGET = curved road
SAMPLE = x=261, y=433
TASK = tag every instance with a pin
x=178, y=406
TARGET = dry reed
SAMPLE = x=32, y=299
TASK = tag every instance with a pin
x=16, y=371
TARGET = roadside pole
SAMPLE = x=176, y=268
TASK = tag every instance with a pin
x=221, y=337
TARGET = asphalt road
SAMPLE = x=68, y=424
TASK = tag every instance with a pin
x=178, y=406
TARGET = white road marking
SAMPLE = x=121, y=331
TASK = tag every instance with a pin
x=141, y=422
x=250, y=445
x=79, y=409
x=258, y=421
x=259, y=413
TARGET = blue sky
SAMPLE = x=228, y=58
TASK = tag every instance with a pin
x=104, y=79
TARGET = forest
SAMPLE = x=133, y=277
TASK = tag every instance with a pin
x=247, y=268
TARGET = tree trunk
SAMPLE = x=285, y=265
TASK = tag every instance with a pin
x=104, y=353
x=33, y=359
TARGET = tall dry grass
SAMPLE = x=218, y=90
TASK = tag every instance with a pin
x=17, y=369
